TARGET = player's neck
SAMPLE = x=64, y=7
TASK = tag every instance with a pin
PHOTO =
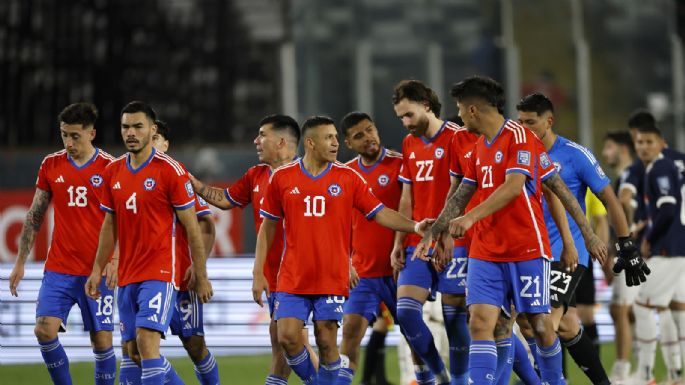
x=314, y=166
x=282, y=160
x=370, y=161
x=140, y=157
x=85, y=157
x=492, y=125
x=548, y=139
x=434, y=125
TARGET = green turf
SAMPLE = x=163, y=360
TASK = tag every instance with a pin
x=251, y=370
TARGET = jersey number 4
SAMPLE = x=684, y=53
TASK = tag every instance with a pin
x=131, y=203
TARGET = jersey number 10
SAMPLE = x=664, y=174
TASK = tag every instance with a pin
x=316, y=206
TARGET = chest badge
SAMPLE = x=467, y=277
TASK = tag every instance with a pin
x=383, y=180
x=149, y=184
x=499, y=156
x=439, y=153
x=334, y=190
x=96, y=180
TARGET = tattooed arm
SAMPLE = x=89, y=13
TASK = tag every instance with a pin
x=34, y=219
x=214, y=195
x=594, y=245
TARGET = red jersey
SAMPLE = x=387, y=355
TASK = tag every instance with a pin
x=426, y=165
x=318, y=225
x=250, y=188
x=76, y=192
x=145, y=201
x=183, y=251
x=371, y=242
x=516, y=232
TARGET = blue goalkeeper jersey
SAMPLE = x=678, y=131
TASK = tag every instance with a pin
x=579, y=169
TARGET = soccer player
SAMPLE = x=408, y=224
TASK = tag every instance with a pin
x=663, y=194
x=371, y=242
x=276, y=144
x=145, y=194
x=315, y=196
x=579, y=170
x=432, y=167
x=72, y=180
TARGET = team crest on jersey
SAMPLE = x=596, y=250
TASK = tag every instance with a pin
x=544, y=160
x=149, y=184
x=600, y=172
x=96, y=180
x=498, y=156
x=383, y=180
x=557, y=166
x=334, y=190
x=664, y=184
x=439, y=152
x=523, y=158
x=189, y=189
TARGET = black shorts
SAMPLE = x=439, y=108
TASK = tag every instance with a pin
x=562, y=285
x=585, y=292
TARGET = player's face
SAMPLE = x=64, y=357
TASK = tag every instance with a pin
x=159, y=143
x=467, y=113
x=137, y=131
x=539, y=124
x=76, y=139
x=266, y=143
x=363, y=139
x=324, y=143
x=413, y=115
x=648, y=146
x=610, y=152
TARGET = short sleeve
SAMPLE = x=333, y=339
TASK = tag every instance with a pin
x=547, y=169
x=272, y=207
x=239, y=194
x=663, y=184
x=470, y=168
x=201, y=207
x=589, y=170
x=106, y=199
x=522, y=152
x=180, y=190
x=456, y=155
x=364, y=200
x=405, y=171
x=42, y=181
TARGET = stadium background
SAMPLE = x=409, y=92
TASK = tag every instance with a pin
x=213, y=68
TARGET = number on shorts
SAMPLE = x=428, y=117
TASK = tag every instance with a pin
x=156, y=302
x=335, y=299
x=557, y=275
x=529, y=281
x=186, y=309
x=105, y=305
x=461, y=262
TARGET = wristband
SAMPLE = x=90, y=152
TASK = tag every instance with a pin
x=416, y=227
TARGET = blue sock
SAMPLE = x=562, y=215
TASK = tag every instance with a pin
x=482, y=362
x=273, y=379
x=522, y=366
x=303, y=367
x=550, y=364
x=419, y=337
x=424, y=376
x=206, y=371
x=505, y=360
x=170, y=375
x=56, y=360
x=129, y=372
x=459, y=340
x=533, y=346
x=153, y=371
x=105, y=367
x=345, y=376
x=328, y=373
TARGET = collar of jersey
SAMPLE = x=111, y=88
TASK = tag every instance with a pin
x=128, y=161
x=97, y=151
x=312, y=177
x=488, y=144
x=648, y=168
x=376, y=163
x=429, y=140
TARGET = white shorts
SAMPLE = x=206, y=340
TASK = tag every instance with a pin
x=622, y=294
x=665, y=283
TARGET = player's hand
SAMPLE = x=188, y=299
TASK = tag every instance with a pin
x=354, y=277
x=259, y=286
x=596, y=248
x=424, y=226
x=569, y=257
x=629, y=259
x=15, y=277
x=459, y=226
x=203, y=288
x=197, y=185
x=443, y=251
x=111, y=274
x=423, y=247
x=93, y=285
x=397, y=259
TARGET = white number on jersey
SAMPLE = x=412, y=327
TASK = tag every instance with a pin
x=528, y=280
x=105, y=305
x=80, y=199
x=316, y=206
x=487, y=176
x=425, y=169
x=131, y=203
x=461, y=262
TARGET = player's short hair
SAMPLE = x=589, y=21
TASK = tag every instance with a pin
x=283, y=123
x=641, y=118
x=82, y=113
x=416, y=91
x=315, y=121
x=622, y=138
x=352, y=119
x=162, y=129
x=138, y=106
x=479, y=87
x=649, y=129
x=536, y=102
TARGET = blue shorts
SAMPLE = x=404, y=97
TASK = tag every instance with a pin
x=148, y=304
x=271, y=301
x=187, y=319
x=524, y=284
x=59, y=292
x=324, y=307
x=367, y=296
x=452, y=280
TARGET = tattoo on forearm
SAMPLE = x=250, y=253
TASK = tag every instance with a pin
x=34, y=219
x=557, y=185
x=453, y=208
x=211, y=194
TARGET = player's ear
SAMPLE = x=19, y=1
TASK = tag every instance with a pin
x=347, y=143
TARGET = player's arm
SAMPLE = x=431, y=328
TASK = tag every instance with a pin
x=615, y=211
x=265, y=238
x=569, y=254
x=397, y=257
x=207, y=231
x=213, y=195
x=106, y=243
x=198, y=280
x=455, y=181
x=594, y=245
x=34, y=219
